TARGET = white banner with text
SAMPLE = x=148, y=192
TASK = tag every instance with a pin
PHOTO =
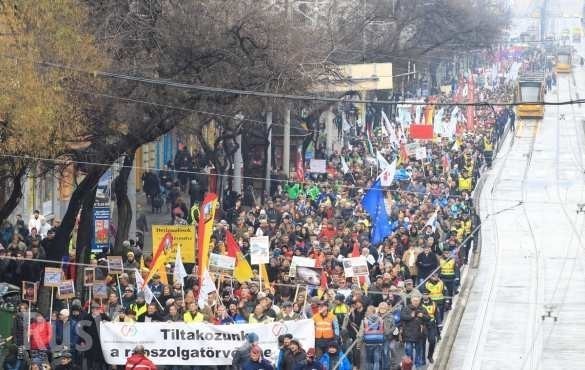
x=178, y=343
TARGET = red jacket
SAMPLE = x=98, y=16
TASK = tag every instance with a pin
x=139, y=362
x=40, y=335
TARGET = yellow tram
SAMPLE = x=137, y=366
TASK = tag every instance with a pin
x=530, y=89
x=563, y=60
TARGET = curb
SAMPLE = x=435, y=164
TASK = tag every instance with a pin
x=451, y=326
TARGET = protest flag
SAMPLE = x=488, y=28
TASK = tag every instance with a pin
x=142, y=287
x=179, y=272
x=264, y=276
x=159, y=259
x=387, y=176
x=204, y=231
x=375, y=206
x=299, y=166
x=207, y=286
x=344, y=166
x=242, y=271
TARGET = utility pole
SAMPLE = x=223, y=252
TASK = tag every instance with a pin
x=286, y=142
x=543, y=19
x=238, y=161
x=269, y=150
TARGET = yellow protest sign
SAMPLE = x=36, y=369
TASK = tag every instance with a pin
x=183, y=236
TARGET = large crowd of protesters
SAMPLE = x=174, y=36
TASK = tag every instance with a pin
x=393, y=318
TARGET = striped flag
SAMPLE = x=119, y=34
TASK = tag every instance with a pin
x=242, y=270
x=205, y=229
x=159, y=259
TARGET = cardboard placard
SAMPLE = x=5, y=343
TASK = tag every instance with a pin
x=355, y=266
x=411, y=148
x=100, y=289
x=115, y=265
x=421, y=153
x=88, y=276
x=300, y=261
x=259, y=250
x=222, y=262
x=29, y=291
x=52, y=276
x=66, y=289
x=308, y=275
x=318, y=166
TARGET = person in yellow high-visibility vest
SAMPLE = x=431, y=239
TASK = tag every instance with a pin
x=449, y=274
x=435, y=287
x=465, y=182
x=432, y=330
x=488, y=150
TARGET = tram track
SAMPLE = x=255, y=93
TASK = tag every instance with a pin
x=539, y=341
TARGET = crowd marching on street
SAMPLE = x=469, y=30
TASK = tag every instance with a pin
x=403, y=205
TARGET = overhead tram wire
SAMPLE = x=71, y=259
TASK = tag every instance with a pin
x=261, y=94
x=146, y=168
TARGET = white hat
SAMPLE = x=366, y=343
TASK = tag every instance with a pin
x=64, y=312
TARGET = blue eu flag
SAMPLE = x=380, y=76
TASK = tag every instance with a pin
x=374, y=205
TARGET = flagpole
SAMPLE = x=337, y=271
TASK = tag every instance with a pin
x=51, y=306
x=296, y=293
x=119, y=289
x=260, y=275
x=89, y=305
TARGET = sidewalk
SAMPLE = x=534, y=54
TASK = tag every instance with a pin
x=162, y=218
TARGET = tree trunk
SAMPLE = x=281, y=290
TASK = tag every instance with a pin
x=86, y=187
x=15, y=196
x=83, y=250
x=123, y=206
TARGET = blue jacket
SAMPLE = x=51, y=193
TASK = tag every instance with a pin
x=315, y=365
x=345, y=364
x=262, y=365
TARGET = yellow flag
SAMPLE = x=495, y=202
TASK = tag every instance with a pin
x=264, y=276
x=205, y=229
x=243, y=271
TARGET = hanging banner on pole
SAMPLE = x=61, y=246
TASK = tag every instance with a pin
x=102, y=214
x=178, y=343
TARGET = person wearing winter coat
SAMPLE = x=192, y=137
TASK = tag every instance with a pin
x=310, y=363
x=426, y=262
x=330, y=359
x=40, y=334
x=139, y=361
x=294, y=356
x=256, y=361
x=242, y=354
x=371, y=340
x=389, y=331
x=414, y=319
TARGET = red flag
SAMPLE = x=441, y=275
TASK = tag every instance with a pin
x=470, y=109
x=300, y=169
x=232, y=246
x=355, y=252
x=324, y=286
x=421, y=132
x=242, y=269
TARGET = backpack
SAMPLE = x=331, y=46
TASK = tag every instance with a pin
x=374, y=332
x=396, y=317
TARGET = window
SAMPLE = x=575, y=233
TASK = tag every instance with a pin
x=530, y=94
x=563, y=59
